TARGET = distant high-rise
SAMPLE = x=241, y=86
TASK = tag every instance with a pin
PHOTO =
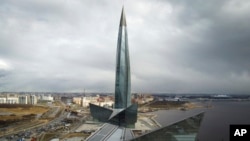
x=122, y=81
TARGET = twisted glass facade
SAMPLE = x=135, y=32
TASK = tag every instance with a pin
x=122, y=81
x=123, y=114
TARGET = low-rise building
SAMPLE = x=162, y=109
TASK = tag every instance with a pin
x=77, y=100
x=46, y=98
x=89, y=99
x=97, y=100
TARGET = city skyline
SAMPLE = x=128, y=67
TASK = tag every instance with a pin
x=176, y=47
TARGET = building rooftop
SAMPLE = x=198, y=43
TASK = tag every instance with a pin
x=110, y=132
x=185, y=127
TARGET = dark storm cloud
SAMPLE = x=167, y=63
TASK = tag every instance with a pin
x=222, y=51
x=225, y=43
x=175, y=46
x=207, y=52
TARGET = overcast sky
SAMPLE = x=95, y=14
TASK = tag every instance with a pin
x=176, y=46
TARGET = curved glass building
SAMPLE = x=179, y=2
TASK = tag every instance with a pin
x=123, y=113
x=122, y=81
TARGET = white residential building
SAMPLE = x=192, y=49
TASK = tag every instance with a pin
x=46, y=97
x=12, y=100
x=33, y=99
x=97, y=100
x=2, y=100
x=18, y=99
x=23, y=99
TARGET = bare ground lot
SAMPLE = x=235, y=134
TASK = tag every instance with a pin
x=15, y=115
x=14, y=112
x=167, y=105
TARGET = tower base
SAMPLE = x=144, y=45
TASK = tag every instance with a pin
x=122, y=117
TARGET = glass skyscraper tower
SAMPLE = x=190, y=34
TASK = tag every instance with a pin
x=123, y=113
x=120, y=121
x=122, y=81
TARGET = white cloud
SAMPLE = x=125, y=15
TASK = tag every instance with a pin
x=4, y=65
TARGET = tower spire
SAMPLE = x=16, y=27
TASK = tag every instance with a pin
x=123, y=18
